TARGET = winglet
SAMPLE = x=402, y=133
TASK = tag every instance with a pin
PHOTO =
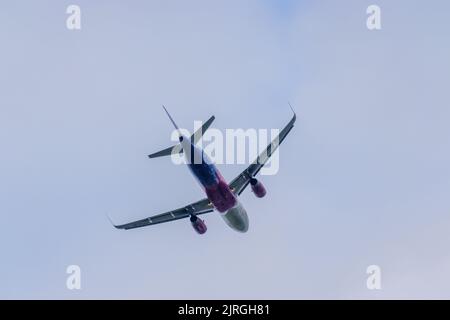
x=291, y=107
x=110, y=220
x=295, y=115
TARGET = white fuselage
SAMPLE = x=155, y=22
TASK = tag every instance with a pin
x=216, y=188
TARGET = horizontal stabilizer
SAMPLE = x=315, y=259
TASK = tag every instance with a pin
x=199, y=133
x=177, y=148
x=167, y=152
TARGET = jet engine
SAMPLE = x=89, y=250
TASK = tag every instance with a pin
x=257, y=188
x=198, y=224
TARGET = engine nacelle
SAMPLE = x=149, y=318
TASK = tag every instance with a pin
x=198, y=225
x=257, y=188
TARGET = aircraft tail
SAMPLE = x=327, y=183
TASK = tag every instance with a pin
x=177, y=148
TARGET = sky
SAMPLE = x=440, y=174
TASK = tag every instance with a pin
x=364, y=176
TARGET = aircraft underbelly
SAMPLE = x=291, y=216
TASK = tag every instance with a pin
x=221, y=196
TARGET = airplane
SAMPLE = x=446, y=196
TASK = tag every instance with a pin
x=220, y=195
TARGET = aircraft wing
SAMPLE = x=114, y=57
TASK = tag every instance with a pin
x=241, y=181
x=196, y=208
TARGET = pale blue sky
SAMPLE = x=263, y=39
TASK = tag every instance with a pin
x=364, y=176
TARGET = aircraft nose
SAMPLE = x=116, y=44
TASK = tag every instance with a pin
x=237, y=219
x=241, y=224
x=242, y=227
